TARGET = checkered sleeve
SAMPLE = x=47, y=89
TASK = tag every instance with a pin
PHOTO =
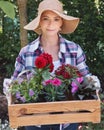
x=81, y=62
x=19, y=64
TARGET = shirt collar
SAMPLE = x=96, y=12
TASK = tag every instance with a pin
x=62, y=44
x=36, y=44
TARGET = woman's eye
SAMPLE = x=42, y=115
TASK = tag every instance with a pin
x=44, y=18
x=57, y=19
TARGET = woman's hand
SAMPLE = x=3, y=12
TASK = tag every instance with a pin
x=6, y=85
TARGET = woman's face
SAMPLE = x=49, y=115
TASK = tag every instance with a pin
x=50, y=23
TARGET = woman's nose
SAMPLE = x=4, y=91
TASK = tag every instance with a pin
x=50, y=22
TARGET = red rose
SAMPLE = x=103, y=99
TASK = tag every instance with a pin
x=51, y=67
x=79, y=74
x=48, y=57
x=57, y=73
x=40, y=62
x=66, y=75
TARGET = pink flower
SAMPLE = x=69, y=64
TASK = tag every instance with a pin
x=79, y=79
x=46, y=82
x=74, y=84
x=56, y=82
x=74, y=87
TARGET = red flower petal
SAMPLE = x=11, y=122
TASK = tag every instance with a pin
x=40, y=62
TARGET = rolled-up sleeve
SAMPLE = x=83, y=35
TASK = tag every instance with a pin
x=81, y=62
x=19, y=64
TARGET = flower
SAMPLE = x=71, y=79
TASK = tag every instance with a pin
x=54, y=90
x=44, y=60
x=67, y=73
x=18, y=95
x=40, y=62
x=23, y=99
x=31, y=93
x=39, y=85
x=56, y=82
x=84, y=88
x=29, y=88
x=75, y=85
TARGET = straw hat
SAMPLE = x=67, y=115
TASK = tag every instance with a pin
x=69, y=23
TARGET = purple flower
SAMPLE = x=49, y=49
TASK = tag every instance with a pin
x=20, y=80
x=29, y=76
x=18, y=95
x=31, y=92
x=22, y=99
x=75, y=85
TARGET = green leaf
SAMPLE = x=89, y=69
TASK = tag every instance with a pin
x=46, y=75
x=95, y=96
x=81, y=97
x=8, y=8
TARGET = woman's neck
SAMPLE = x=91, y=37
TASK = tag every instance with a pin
x=51, y=45
x=49, y=41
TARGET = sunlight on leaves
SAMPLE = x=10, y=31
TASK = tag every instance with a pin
x=8, y=8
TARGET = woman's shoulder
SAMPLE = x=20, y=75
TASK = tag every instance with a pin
x=66, y=41
x=30, y=47
x=70, y=44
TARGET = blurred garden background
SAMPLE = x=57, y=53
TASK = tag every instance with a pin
x=14, y=14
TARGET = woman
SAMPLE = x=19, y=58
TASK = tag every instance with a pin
x=49, y=24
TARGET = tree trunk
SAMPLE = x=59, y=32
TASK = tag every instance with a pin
x=23, y=21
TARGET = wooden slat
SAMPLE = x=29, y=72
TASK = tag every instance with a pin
x=38, y=113
x=65, y=106
x=56, y=119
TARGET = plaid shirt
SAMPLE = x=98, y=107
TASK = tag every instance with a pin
x=69, y=53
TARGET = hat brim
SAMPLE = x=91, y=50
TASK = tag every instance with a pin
x=70, y=23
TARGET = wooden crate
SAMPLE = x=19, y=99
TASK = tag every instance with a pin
x=54, y=112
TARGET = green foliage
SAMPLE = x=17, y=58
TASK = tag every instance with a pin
x=8, y=8
x=9, y=45
x=97, y=126
x=55, y=93
x=89, y=33
x=87, y=89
